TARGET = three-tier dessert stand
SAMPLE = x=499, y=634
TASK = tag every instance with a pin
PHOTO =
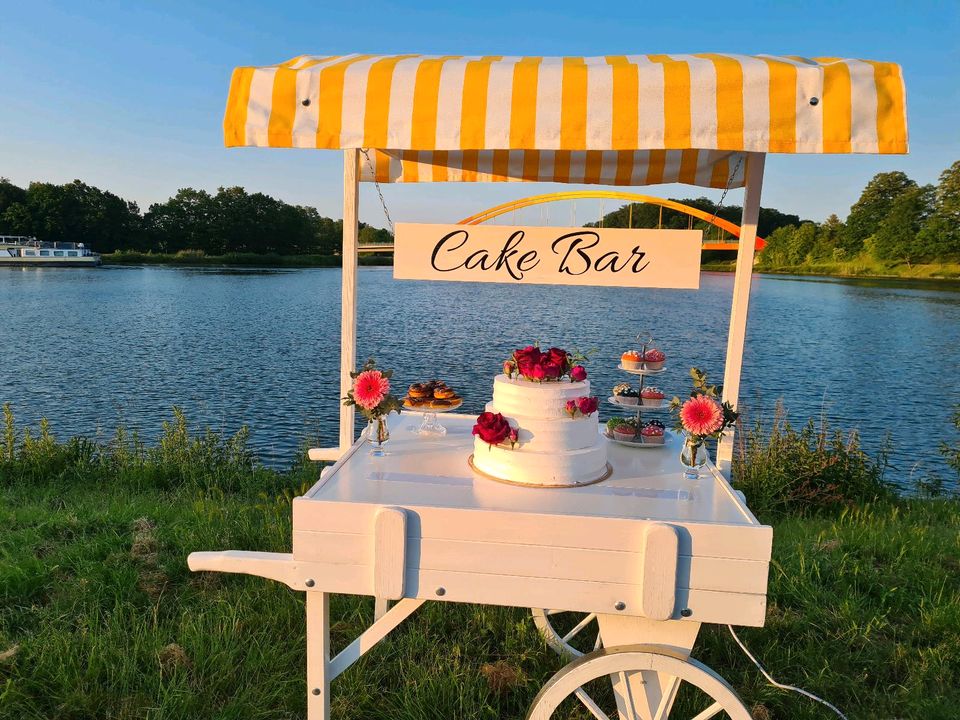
x=646, y=558
x=645, y=340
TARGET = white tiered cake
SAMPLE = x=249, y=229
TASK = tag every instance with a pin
x=553, y=448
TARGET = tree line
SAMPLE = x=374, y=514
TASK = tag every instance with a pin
x=894, y=220
x=229, y=221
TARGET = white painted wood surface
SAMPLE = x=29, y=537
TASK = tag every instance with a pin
x=582, y=549
x=348, y=295
x=658, y=578
x=548, y=255
x=318, y=656
x=389, y=550
x=741, y=297
x=646, y=692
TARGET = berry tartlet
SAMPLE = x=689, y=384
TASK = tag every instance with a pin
x=654, y=360
x=652, y=397
x=632, y=360
x=625, y=395
x=652, y=434
x=625, y=432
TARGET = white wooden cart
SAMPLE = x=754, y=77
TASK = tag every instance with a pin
x=645, y=555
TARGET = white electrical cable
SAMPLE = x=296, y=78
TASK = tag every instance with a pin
x=773, y=682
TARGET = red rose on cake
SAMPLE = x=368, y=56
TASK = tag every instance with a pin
x=578, y=373
x=587, y=405
x=560, y=357
x=492, y=428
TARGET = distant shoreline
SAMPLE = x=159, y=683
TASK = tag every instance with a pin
x=193, y=259
x=868, y=270
x=853, y=270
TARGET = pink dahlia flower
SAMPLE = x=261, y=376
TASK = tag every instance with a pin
x=701, y=415
x=370, y=388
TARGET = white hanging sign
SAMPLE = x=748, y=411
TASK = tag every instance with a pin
x=548, y=255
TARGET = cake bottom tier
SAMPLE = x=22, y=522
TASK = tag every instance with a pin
x=569, y=467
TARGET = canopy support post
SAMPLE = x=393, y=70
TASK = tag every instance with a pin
x=348, y=296
x=741, y=298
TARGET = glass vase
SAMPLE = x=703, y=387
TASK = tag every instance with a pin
x=378, y=435
x=693, y=456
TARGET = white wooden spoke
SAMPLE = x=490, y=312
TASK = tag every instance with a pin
x=579, y=626
x=590, y=705
x=629, y=707
x=663, y=672
x=561, y=643
x=666, y=700
x=710, y=712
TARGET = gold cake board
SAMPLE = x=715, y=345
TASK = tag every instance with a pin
x=608, y=471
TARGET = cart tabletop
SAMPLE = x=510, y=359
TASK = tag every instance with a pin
x=432, y=471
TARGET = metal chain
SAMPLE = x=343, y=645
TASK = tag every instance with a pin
x=376, y=184
x=723, y=196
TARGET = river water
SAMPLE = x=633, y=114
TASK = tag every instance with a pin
x=89, y=349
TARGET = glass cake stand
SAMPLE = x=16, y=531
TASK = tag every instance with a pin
x=430, y=425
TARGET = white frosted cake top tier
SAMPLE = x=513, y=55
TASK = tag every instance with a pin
x=523, y=398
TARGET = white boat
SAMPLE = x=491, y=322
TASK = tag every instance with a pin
x=24, y=250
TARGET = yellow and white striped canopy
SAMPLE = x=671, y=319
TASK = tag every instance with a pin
x=612, y=120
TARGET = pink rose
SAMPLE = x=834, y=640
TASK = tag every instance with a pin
x=509, y=367
x=492, y=428
x=571, y=407
x=587, y=405
x=578, y=373
x=514, y=436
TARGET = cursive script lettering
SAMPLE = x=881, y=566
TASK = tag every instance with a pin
x=577, y=261
x=481, y=258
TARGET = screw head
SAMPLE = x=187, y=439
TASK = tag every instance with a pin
x=305, y=102
x=316, y=691
x=310, y=583
x=441, y=591
x=814, y=101
x=620, y=605
x=686, y=612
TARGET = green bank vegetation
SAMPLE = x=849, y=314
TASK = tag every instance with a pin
x=100, y=617
x=896, y=228
x=230, y=223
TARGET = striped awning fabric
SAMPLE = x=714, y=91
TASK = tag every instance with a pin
x=613, y=120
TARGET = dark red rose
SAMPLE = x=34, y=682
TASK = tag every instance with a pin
x=551, y=370
x=578, y=373
x=535, y=372
x=530, y=353
x=587, y=405
x=492, y=428
x=560, y=357
x=526, y=366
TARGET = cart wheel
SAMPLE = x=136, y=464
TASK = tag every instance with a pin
x=637, y=682
x=569, y=634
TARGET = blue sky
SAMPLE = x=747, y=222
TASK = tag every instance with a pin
x=130, y=96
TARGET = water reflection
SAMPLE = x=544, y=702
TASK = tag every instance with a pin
x=89, y=349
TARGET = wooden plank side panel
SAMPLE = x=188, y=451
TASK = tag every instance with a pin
x=658, y=579
x=744, y=542
x=533, y=561
x=389, y=552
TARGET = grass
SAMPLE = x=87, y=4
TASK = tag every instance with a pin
x=195, y=258
x=870, y=267
x=100, y=618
